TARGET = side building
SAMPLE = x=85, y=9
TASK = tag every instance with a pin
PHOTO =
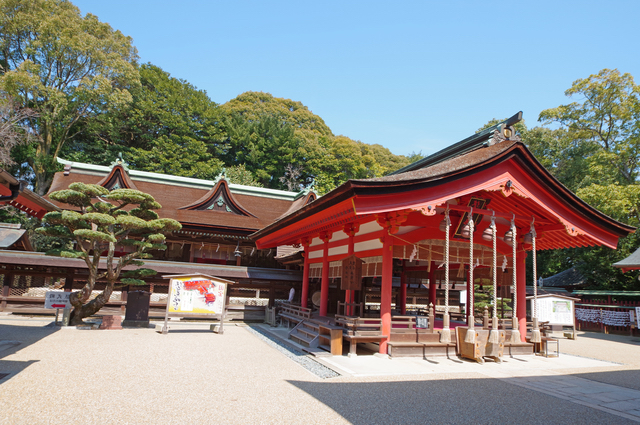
x=217, y=218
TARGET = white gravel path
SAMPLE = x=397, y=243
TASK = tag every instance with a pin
x=137, y=376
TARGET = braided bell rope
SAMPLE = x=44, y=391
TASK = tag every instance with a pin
x=494, y=336
x=471, y=333
x=445, y=336
x=534, y=271
x=515, y=332
x=494, y=265
x=446, y=263
x=535, y=333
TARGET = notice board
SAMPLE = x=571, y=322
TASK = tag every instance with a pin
x=555, y=310
x=351, y=279
x=196, y=295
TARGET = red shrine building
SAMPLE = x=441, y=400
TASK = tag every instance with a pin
x=370, y=251
x=397, y=225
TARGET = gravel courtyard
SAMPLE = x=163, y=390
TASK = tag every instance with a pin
x=137, y=376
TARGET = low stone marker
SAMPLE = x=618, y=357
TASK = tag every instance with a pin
x=111, y=322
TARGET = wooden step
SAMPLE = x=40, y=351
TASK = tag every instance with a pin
x=303, y=339
x=308, y=332
x=311, y=326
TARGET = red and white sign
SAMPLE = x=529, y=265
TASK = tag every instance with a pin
x=56, y=299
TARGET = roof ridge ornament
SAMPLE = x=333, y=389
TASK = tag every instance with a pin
x=478, y=140
x=120, y=161
x=221, y=176
x=309, y=188
x=504, y=133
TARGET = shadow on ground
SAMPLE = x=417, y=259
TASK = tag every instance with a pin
x=450, y=401
x=14, y=336
x=622, y=378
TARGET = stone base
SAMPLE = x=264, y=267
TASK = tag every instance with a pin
x=111, y=322
x=160, y=328
x=135, y=323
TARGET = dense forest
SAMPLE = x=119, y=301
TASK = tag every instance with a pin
x=72, y=87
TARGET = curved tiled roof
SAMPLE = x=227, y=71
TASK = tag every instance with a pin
x=262, y=206
x=632, y=262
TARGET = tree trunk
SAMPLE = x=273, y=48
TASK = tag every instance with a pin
x=43, y=182
x=92, y=307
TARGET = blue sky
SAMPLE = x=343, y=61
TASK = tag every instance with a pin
x=413, y=76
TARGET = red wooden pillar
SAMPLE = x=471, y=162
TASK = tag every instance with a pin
x=324, y=286
x=386, y=289
x=304, y=295
x=432, y=284
x=403, y=291
x=521, y=288
x=350, y=230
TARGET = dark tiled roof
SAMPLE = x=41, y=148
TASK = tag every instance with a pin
x=450, y=170
x=441, y=169
x=567, y=278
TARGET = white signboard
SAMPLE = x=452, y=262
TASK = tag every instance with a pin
x=56, y=299
x=638, y=317
x=196, y=294
x=557, y=311
x=463, y=296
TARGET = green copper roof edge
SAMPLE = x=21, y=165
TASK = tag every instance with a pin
x=596, y=292
x=184, y=181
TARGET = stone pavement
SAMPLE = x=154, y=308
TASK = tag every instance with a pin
x=537, y=373
x=137, y=376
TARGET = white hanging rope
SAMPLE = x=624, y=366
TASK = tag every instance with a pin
x=494, y=265
x=535, y=333
x=494, y=336
x=446, y=264
x=515, y=332
x=445, y=336
x=471, y=333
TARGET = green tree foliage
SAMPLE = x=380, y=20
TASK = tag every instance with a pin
x=13, y=131
x=264, y=145
x=39, y=242
x=595, y=152
x=123, y=217
x=65, y=67
x=238, y=174
x=588, y=153
x=286, y=146
x=254, y=106
x=483, y=298
x=169, y=127
x=605, y=120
